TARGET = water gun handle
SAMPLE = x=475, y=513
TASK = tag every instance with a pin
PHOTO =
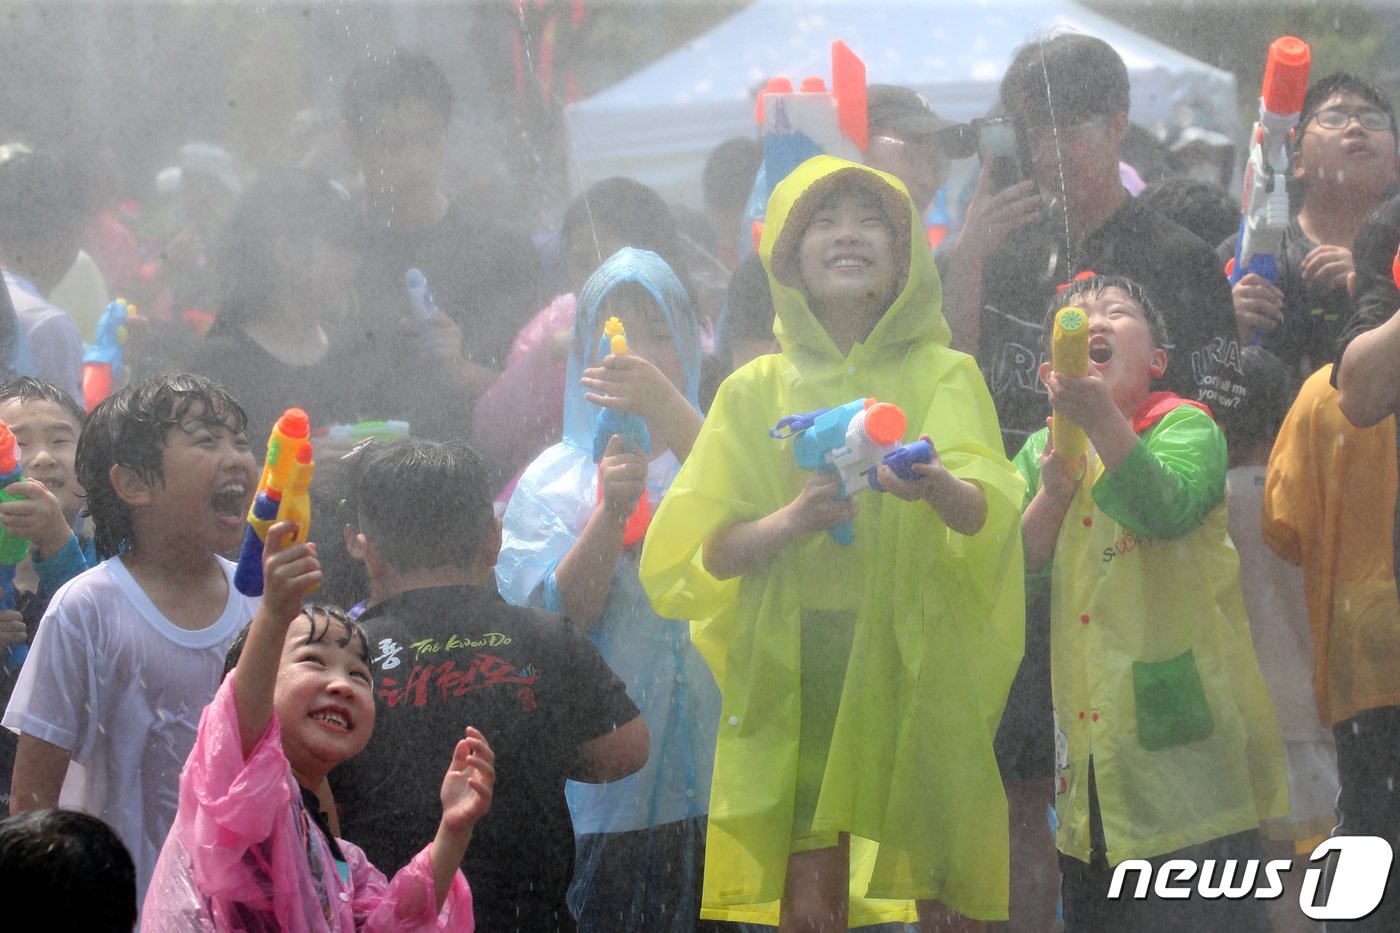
x=15, y=654
x=1069, y=355
x=843, y=534
x=248, y=575
x=901, y=460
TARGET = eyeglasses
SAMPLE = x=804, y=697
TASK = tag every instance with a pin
x=1337, y=119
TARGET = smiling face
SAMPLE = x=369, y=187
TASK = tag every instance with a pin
x=324, y=698
x=209, y=479
x=846, y=260
x=47, y=435
x=1122, y=348
x=1361, y=159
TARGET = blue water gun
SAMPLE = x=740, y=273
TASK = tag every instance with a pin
x=102, y=363
x=631, y=428
x=12, y=548
x=852, y=441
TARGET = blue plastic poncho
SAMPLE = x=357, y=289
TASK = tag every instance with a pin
x=665, y=676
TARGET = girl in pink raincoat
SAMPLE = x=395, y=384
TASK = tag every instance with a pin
x=250, y=848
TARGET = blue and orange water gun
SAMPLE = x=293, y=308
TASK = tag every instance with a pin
x=851, y=442
x=283, y=495
x=102, y=363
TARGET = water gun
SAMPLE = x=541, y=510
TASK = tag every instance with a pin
x=1264, y=203
x=281, y=496
x=102, y=363
x=361, y=431
x=811, y=121
x=1069, y=354
x=420, y=299
x=12, y=548
x=631, y=428
x=851, y=442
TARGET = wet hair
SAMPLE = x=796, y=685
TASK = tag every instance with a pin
x=729, y=173
x=425, y=504
x=30, y=389
x=292, y=204
x=71, y=868
x=1065, y=79
x=1091, y=286
x=1269, y=393
x=1340, y=82
x=321, y=619
x=42, y=206
x=130, y=428
x=379, y=83
x=636, y=213
x=1204, y=209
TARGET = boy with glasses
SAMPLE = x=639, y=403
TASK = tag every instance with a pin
x=1344, y=163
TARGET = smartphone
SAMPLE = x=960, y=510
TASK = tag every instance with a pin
x=999, y=142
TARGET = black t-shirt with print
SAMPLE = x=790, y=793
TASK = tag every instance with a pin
x=1306, y=340
x=1180, y=273
x=445, y=658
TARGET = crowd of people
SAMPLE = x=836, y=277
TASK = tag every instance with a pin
x=592, y=649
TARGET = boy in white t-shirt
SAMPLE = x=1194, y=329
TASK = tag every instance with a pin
x=130, y=652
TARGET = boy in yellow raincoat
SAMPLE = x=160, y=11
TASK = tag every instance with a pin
x=1167, y=745
x=862, y=684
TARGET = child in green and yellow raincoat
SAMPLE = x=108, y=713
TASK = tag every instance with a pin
x=1166, y=743
x=862, y=684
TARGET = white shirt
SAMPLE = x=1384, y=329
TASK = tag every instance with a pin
x=119, y=685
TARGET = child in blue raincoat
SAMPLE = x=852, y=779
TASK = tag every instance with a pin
x=572, y=545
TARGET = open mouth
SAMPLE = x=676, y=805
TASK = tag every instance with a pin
x=1099, y=351
x=333, y=719
x=850, y=262
x=230, y=502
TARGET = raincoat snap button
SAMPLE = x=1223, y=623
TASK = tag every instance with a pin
x=1084, y=618
x=733, y=720
x=1088, y=520
x=1081, y=714
x=680, y=678
x=1095, y=717
x=850, y=370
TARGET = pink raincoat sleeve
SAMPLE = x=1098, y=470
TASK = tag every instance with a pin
x=237, y=851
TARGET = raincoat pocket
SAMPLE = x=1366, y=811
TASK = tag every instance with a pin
x=1171, y=703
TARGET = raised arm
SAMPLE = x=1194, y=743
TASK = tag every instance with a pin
x=289, y=573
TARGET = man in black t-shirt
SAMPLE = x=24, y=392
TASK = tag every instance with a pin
x=1344, y=162
x=485, y=278
x=448, y=652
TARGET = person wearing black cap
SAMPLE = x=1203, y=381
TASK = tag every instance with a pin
x=912, y=142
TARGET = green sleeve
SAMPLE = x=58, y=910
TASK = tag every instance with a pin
x=1027, y=463
x=1172, y=479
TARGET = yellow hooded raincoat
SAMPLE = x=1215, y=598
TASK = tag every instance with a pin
x=936, y=618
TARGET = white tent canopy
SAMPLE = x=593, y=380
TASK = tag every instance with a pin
x=659, y=125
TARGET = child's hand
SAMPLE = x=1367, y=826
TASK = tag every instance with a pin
x=1058, y=477
x=467, y=786
x=289, y=573
x=12, y=630
x=819, y=506
x=1085, y=400
x=624, y=478
x=922, y=486
x=37, y=516
x=629, y=383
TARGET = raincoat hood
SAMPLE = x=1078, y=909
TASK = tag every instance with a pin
x=651, y=272
x=913, y=316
